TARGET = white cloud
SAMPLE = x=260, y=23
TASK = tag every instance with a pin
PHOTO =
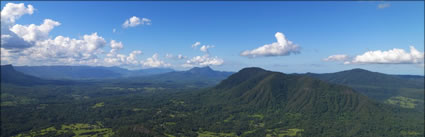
x=62, y=47
x=116, y=45
x=393, y=56
x=10, y=40
x=155, y=62
x=32, y=33
x=135, y=21
x=11, y=12
x=204, y=60
x=31, y=44
x=339, y=57
x=204, y=48
x=384, y=5
x=280, y=48
x=196, y=44
x=180, y=56
x=121, y=59
x=146, y=21
x=114, y=30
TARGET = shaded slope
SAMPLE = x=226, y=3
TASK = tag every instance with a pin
x=10, y=75
x=261, y=88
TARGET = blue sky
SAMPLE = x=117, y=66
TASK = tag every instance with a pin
x=317, y=30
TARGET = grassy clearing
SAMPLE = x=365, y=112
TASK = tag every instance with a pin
x=138, y=109
x=403, y=102
x=279, y=132
x=229, y=118
x=259, y=116
x=79, y=97
x=98, y=105
x=78, y=129
x=12, y=100
x=213, y=134
x=409, y=133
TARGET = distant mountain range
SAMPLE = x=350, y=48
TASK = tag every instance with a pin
x=195, y=77
x=10, y=75
x=86, y=72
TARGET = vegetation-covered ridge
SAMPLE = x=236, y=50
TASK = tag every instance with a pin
x=250, y=103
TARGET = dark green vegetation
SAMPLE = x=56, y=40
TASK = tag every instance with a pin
x=86, y=72
x=378, y=86
x=253, y=102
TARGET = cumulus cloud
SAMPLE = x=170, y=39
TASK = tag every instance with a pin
x=65, y=47
x=31, y=44
x=11, y=12
x=116, y=45
x=339, y=57
x=282, y=47
x=196, y=44
x=9, y=40
x=384, y=5
x=135, y=21
x=204, y=48
x=154, y=62
x=178, y=56
x=32, y=33
x=204, y=60
x=393, y=56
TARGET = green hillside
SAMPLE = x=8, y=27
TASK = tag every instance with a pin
x=379, y=86
x=250, y=103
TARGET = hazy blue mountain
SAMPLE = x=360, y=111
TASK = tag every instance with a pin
x=10, y=75
x=196, y=77
x=86, y=72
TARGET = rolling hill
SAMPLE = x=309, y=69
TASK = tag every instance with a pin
x=379, y=86
x=290, y=101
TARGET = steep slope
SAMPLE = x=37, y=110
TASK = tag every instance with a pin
x=317, y=107
x=11, y=76
x=261, y=88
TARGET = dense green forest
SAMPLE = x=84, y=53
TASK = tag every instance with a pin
x=253, y=102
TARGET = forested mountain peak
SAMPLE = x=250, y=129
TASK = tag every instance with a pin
x=262, y=88
x=205, y=69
